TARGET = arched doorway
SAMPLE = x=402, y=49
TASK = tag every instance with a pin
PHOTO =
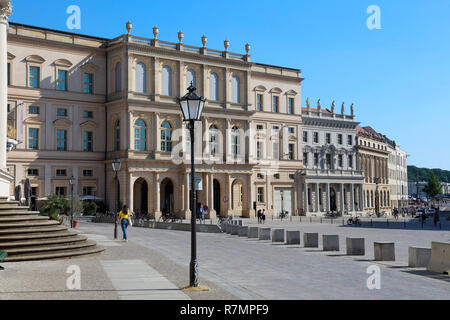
x=333, y=206
x=167, y=198
x=140, y=195
x=217, y=198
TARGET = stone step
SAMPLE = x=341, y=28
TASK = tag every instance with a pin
x=28, y=224
x=46, y=241
x=56, y=255
x=10, y=212
x=7, y=207
x=22, y=218
x=34, y=236
x=32, y=230
x=9, y=203
x=49, y=248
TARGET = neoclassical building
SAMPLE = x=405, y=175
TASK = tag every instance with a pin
x=373, y=156
x=330, y=181
x=398, y=174
x=77, y=102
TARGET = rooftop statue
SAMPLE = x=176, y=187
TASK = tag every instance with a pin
x=333, y=106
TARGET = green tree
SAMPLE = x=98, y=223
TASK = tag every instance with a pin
x=54, y=206
x=434, y=187
x=89, y=208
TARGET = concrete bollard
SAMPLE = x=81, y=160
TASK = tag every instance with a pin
x=311, y=240
x=330, y=242
x=228, y=228
x=278, y=235
x=384, y=251
x=356, y=247
x=419, y=257
x=243, y=231
x=234, y=230
x=264, y=234
x=253, y=232
x=292, y=237
x=440, y=258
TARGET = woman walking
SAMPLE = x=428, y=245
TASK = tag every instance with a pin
x=125, y=221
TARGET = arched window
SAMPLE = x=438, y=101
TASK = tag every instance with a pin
x=235, y=89
x=117, y=136
x=213, y=140
x=166, y=81
x=118, y=74
x=140, y=135
x=166, y=137
x=141, y=77
x=191, y=77
x=214, y=87
x=235, y=141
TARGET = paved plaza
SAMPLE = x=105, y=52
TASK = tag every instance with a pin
x=154, y=265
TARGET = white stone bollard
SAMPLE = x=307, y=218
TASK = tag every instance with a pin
x=440, y=258
x=243, y=231
x=264, y=234
x=292, y=237
x=278, y=235
x=311, y=240
x=356, y=247
x=234, y=230
x=419, y=257
x=330, y=242
x=253, y=232
x=384, y=251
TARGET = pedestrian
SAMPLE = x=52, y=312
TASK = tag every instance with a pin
x=259, y=216
x=263, y=216
x=201, y=213
x=436, y=218
x=125, y=221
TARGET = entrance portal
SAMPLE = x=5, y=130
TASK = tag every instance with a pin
x=167, y=204
x=333, y=206
x=140, y=201
x=217, y=198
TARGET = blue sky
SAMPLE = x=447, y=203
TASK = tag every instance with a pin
x=397, y=77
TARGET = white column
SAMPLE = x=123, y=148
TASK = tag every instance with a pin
x=211, y=195
x=5, y=177
x=328, y=198
x=317, y=198
x=342, y=198
x=361, y=193
x=353, y=208
x=306, y=198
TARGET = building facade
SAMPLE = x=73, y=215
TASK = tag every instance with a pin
x=76, y=103
x=330, y=181
x=373, y=156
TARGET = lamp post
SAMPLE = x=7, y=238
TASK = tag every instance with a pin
x=116, y=165
x=192, y=107
x=377, y=197
x=71, y=181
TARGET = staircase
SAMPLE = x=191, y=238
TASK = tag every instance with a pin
x=26, y=236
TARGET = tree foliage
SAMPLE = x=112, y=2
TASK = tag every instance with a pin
x=423, y=174
x=434, y=187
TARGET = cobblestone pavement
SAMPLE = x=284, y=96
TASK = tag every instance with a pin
x=241, y=268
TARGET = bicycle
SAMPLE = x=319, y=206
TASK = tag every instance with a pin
x=283, y=214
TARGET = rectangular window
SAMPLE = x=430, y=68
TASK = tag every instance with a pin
x=316, y=159
x=33, y=172
x=291, y=151
x=9, y=73
x=350, y=140
x=340, y=139
x=62, y=80
x=276, y=151
x=33, y=110
x=33, y=138
x=328, y=137
x=276, y=176
x=305, y=136
x=328, y=157
x=88, y=114
x=305, y=158
x=292, y=176
x=61, y=172
x=61, y=112
x=259, y=150
x=34, y=77
x=275, y=104
x=88, y=191
x=291, y=105
x=61, y=191
x=260, y=176
x=316, y=137
x=261, y=195
x=88, y=139
x=350, y=161
x=341, y=160
x=259, y=102
x=87, y=173
x=291, y=130
x=259, y=127
x=61, y=142
x=88, y=83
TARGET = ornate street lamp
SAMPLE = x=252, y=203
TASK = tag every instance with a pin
x=71, y=181
x=116, y=165
x=192, y=107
